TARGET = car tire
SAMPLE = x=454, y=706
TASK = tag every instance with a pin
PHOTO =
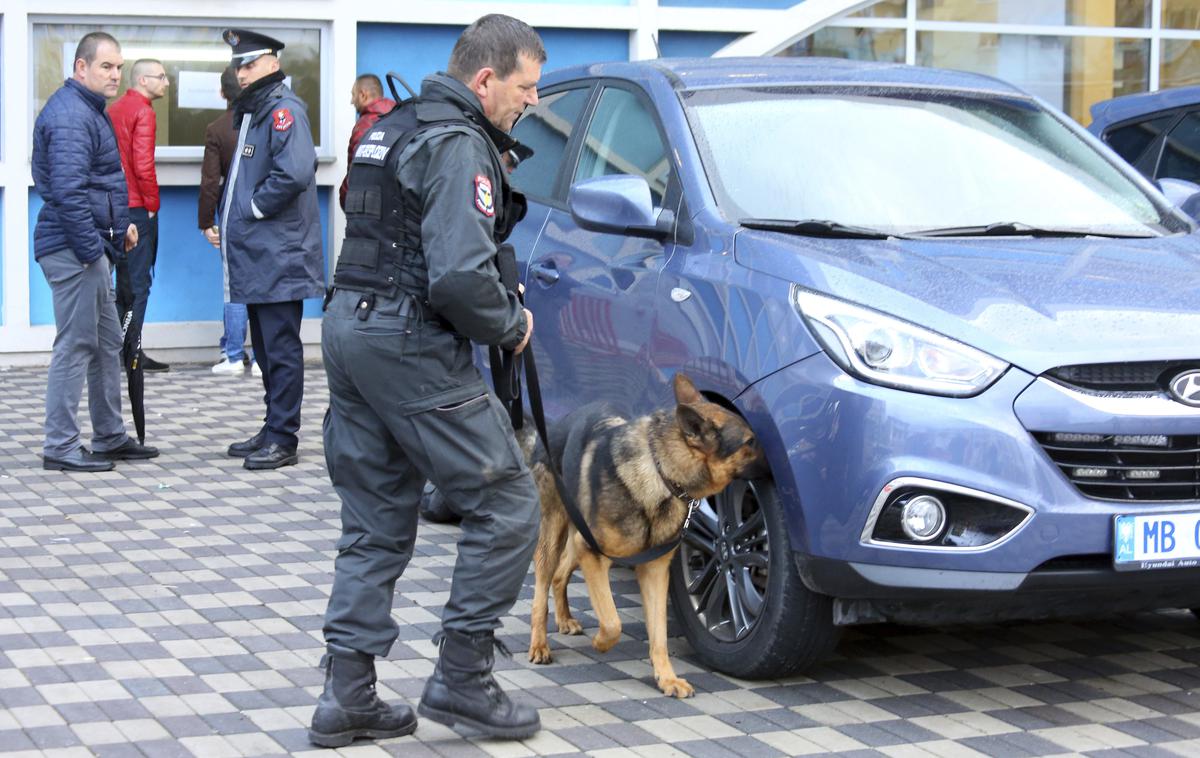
x=779, y=627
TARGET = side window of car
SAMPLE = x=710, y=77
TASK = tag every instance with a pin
x=1181, y=157
x=623, y=138
x=1132, y=140
x=546, y=128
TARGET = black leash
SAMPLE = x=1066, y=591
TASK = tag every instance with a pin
x=506, y=382
x=564, y=493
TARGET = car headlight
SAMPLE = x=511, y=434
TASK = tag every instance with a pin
x=885, y=350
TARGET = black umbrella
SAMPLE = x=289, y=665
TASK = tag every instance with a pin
x=131, y=353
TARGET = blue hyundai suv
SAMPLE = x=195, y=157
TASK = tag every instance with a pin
x=966, y=334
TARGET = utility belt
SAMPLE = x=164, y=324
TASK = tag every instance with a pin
x=402, y=304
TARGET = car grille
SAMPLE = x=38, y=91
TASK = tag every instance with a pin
x=1149, y=467
x=1146, y=376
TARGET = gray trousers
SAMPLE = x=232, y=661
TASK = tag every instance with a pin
x=406, y=404
x=87, y=345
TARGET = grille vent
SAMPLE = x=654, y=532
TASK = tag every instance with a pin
x=1147, y=376
x=1128, y=467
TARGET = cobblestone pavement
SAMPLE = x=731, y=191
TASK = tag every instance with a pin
x=173, y=607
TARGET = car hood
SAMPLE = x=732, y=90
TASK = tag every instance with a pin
x=1035, y=303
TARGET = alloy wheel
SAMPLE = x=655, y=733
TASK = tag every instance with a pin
x=725, y=559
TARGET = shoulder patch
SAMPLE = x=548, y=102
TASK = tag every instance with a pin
x=484, y=201
x=281, y=120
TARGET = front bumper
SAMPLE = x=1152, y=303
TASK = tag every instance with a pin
x=869, y=593
x=834, y=442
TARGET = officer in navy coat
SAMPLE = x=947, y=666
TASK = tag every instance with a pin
x=270, y=237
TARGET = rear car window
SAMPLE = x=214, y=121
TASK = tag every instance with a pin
x=1132, y=140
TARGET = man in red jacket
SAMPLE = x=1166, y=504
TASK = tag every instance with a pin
x=135, y=125
x=367, y=98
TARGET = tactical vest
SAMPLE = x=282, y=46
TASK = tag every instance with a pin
x=382, y=254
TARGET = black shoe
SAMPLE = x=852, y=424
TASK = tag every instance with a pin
x=242, y=449
x=462, y=691
x=349, y=708
x=130, y=450
x=151, y=366
x=79, y=460
x=271, y=456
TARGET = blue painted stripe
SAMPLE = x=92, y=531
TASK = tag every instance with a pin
x=187, y=279
x=693, y=44
x=416, y=50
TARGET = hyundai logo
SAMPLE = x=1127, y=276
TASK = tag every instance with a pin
x=1185, y=388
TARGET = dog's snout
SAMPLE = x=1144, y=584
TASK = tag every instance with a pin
x=756, y=467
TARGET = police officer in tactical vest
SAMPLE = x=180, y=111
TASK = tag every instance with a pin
x=416, y=283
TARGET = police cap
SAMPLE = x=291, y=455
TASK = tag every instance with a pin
x=248, y=46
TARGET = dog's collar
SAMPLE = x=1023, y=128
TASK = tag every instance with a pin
x=672, y=486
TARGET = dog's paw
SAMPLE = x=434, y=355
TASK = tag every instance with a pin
x=539, y=654
x=570, y=626
x=676, y=687
x=603, y=644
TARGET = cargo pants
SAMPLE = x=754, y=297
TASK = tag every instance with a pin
x=406, y=405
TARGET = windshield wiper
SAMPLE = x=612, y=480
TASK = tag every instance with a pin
x=1017, y=229
x=814, y=228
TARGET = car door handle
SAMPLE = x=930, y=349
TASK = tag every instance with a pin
x=546, y=272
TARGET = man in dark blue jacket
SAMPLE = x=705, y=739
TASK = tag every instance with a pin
x=270, y=238
x=83, y=225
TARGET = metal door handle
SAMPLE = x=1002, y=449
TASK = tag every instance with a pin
x=546, y=272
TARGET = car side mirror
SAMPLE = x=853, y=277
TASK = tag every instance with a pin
x=619, y=204
x=1183, y=194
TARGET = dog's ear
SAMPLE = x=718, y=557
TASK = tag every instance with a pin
x=685, y=391
x=698, y=431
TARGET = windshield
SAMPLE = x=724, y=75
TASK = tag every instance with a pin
x=904, y=161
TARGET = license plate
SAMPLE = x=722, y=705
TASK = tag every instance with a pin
x=1156, y=541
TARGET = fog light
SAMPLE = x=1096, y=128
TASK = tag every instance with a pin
x=922, y=518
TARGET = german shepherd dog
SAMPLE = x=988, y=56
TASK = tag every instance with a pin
x=631, y=480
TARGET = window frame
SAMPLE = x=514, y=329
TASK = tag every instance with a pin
x=189, y=154
x=673, y=194
x=558, y=191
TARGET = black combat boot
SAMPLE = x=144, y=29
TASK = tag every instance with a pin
x=463, y=691
x=349, y=707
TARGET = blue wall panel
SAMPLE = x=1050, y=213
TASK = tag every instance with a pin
x=693, y=44
x=415, y=50
x=187, y=278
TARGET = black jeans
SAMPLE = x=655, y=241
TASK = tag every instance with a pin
x=135, y=272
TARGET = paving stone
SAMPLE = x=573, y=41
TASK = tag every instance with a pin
x=174, y=607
